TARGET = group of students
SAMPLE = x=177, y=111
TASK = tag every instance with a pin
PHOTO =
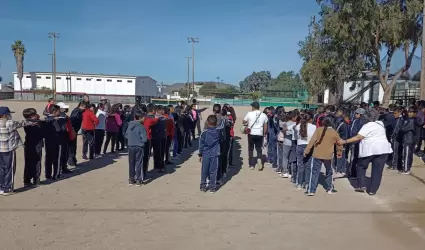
x=344, y=139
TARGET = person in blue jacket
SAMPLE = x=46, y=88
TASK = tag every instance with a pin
x=356, y=125
x=342, y=127
x=209, y=155
x=271, y=138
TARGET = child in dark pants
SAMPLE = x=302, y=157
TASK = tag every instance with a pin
x=54, y=136
x=8, y=145
x=136, y=137
x=33, y=148
x=410, y=138
x=209, y=154
x=397, y=141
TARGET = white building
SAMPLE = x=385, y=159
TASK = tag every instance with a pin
x=72, y=86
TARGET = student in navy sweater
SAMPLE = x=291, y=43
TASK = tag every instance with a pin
x=209, y=153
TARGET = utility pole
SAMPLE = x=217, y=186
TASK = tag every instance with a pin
x=53, y=83
x=188, y=75
x=54, y=36
x=218, y=79
x=422, y=86
x=193, y=40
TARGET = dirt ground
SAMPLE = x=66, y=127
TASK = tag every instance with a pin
x=94, y=208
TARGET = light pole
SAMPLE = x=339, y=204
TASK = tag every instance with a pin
x=54, y=36
x=193, y=40
x=188, y=74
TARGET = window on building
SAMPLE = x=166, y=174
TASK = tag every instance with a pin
x=48, y=77
x=88, y=79
x=109, y=80
x=28, y=77
x=119, y=80
x=38, y=77
x=58, y=78
x=98, y=80
x=129, y=81
x=78, y=79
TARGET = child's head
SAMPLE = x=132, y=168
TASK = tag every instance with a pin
x=346, y=116
x=398, y=112
x=54, y=110
x=127, y=108
x=151, y=108
x=139, y=116
x=160, y=110
x=30, y=113
x=212, y=121
x=82, y=105
x=51, y=101
x=359, y=112
x=5, y=113
x=412, y=111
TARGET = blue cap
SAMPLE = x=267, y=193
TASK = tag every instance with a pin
x=5, y=111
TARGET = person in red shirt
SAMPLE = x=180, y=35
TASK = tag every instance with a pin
x=88, y=126
x=149, y=121
x=170, y=133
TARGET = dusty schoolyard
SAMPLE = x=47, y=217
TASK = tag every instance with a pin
x=94, y=208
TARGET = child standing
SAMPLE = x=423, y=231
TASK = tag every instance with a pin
x=33, y=148
x=99, y=132
x=113, y=123
x=342, y=123
x=209, y=153
x=89, y=124
x=323, y=141
x=137, y=137
x=410, y=138
x=9, y=142
x=397, y=140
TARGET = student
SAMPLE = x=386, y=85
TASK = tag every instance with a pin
x=410, y=138
x=397, y=141
x=322, y=143
x=112, y=125
x=9, y=143
x=89, y=124
x=271, y=138
x=137, y=138
x=170, y=134
x=67, y=134
x=232, y=119
x=356, y=125
x=284, y=144
x=175, y=113
x=342, y=123
x=209, y=153
x=33, y=147
x=305, y=131
x=149, y=121
x=76, y=119
x=187, y=123
x=120, y=134
x=159, y=135
x=126, y=119
x=99, y=132
x=54, y=136
x=46, y=110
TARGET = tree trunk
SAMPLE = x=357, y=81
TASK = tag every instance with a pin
x=20, y=84
x=387, y=95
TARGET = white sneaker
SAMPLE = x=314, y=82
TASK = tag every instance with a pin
x=1, y=192
x=310, y=194
x=289, y=176
x=285, y=175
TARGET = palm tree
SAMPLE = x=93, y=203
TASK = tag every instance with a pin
x=19, y=51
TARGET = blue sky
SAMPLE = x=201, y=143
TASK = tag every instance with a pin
x=140, y=37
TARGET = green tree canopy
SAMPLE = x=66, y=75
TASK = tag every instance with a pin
x=257, y=81
x=208, y=89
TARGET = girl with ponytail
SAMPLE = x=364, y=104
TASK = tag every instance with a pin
x=304, y=130
x=322, y=143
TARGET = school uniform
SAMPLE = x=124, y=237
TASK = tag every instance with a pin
x=120, y=141
x=232, y=141
x=224, y=146
x=209, y=150
x=33, y=150
x=355, y=127
x=99, y=132
x=10, y=140
x=127, y=118
x=410, y=139
x=148, y=123
x=284, y=145
x=76, y=119
x=169, y=123
x=176, y=134
x=187, y=123
x=272, y=131
x=55, y=139
x=137, y=137
x=159, y=135
x=112, y=126
x=397, y=145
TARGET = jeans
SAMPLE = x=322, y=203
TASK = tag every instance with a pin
x=272, y=153
x=292, y=161
x=315, y=166
x=255, y=141
x=282, y=157
x=135, y=163
x=341, y=163
x=209, y=170
x=301, y=164
x=378, y=163
x=7, y=170
x=88, y=143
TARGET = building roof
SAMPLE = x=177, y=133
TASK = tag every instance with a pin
x=86, y=74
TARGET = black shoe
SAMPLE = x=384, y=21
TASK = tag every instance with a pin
x=49, y=177
x=27, y=184
x=131, y=182
x=360, y=190
x=85, y=157
x=66, y=171
x=203, y=189
x=169, y=163
x=37, y=182
x=139, y=183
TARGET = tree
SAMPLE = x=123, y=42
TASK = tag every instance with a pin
x=208, y=89
x=19, y=51
x=365, y=28
x=257, y=81
x=184, y=92
x=286, y=81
